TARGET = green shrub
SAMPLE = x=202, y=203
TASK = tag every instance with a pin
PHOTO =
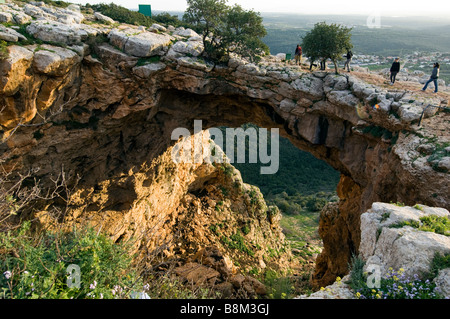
x=278, y=286
x=122, y=14
x=432, y=223
x=36, y=265
x=4, y=53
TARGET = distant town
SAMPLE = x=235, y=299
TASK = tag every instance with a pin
x=419, y=60
x=416, y=61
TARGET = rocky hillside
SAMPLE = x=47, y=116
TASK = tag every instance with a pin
x=99, y=100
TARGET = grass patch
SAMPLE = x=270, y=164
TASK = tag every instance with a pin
x=236, y=241
x=432, y=223
x=145, y=61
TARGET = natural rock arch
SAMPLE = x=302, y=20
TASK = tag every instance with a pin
x=104, y=118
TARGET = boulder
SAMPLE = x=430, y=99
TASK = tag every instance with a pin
x=186, y=32
x=54, y=61
x=103, y=18
x=140, y=44
x=5, y=17
x=400, y=247
x=145, y=71
x=53, y=31
x=193, y=48
x=409, y=112
x=197, y=274
x=14, y=68
x=338, y=290
x=158, y=27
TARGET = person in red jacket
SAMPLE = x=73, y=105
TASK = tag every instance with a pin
x=395, y=68
x=298, y=55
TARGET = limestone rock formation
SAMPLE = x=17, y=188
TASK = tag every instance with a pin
x=103, y=109
x=387, y=246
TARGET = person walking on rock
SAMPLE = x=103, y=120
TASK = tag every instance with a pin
x=349, y=56
x=434, y=78
x=395, y=68
x=298, y=55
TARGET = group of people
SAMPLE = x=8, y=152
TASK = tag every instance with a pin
x=394, y=70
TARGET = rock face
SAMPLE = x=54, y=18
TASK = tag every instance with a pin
x=405, y=247
x=105, y=111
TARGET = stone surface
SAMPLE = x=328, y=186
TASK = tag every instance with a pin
x=337, y=290
x=103, y=18
x=147, y=70
x=144, y=44
x=54, y=61
x=405, y=247
x=59, y=32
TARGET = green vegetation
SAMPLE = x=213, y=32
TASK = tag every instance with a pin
x=278, y=286
x=327, y=41
x=4, y=53
x=394, y=284
x=55, y=3
x=432, y=223
x=299, y=204
x=299, y=172
x=226, y=29
x=121, y=14
x=35, y=265
x=144, y=61
x=439, y=262
x=440, y=151
x=236, y=241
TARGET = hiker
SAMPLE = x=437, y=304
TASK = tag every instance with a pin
x=434, y=78
x=395, y=68
x=349, y=56
x=298, y=55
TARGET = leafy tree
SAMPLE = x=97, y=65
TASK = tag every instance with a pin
x=327, y=41
x=167, y=19
x=206, y=17
x=226, y=30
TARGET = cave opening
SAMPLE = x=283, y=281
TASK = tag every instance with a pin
x=300, y=188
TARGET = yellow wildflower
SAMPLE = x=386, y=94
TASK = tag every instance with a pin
x=358, y=295
x=401, y=270
x=395, y=278
x=338, y=279
x=374, y=291
x=378, y=296
x=400, y=287
x=322, y=288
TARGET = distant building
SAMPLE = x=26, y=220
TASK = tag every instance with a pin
x=145, y=9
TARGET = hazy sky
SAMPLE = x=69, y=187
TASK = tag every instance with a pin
x=383, y=7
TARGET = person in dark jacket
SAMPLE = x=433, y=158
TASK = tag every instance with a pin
x=349, y=56
x=434, y=78
x=395, y=68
